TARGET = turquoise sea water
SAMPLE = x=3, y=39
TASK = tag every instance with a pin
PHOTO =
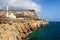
x=50, y=32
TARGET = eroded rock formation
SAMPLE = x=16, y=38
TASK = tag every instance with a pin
x=17, y=29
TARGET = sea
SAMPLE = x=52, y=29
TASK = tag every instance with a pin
x=50, y=32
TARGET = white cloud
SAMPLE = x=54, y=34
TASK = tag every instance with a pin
x=23, y=4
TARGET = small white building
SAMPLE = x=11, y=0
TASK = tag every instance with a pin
x=11, y=15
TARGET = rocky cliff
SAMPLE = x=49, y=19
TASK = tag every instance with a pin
x=17, y=29
x=26, y=13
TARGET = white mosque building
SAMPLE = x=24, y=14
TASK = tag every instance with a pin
x=11, y=15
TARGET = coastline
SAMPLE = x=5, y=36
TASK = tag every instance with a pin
x=22, y=25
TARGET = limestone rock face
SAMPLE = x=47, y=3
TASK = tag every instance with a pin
x=19, y=28
x=26, y=13
x=8, y=32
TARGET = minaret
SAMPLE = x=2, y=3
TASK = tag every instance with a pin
x=11, y=15
x=7, y=12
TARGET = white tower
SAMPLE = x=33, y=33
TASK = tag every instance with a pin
x=7, y=12
x=11, y=15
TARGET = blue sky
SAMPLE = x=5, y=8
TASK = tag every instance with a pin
x=50, y=9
